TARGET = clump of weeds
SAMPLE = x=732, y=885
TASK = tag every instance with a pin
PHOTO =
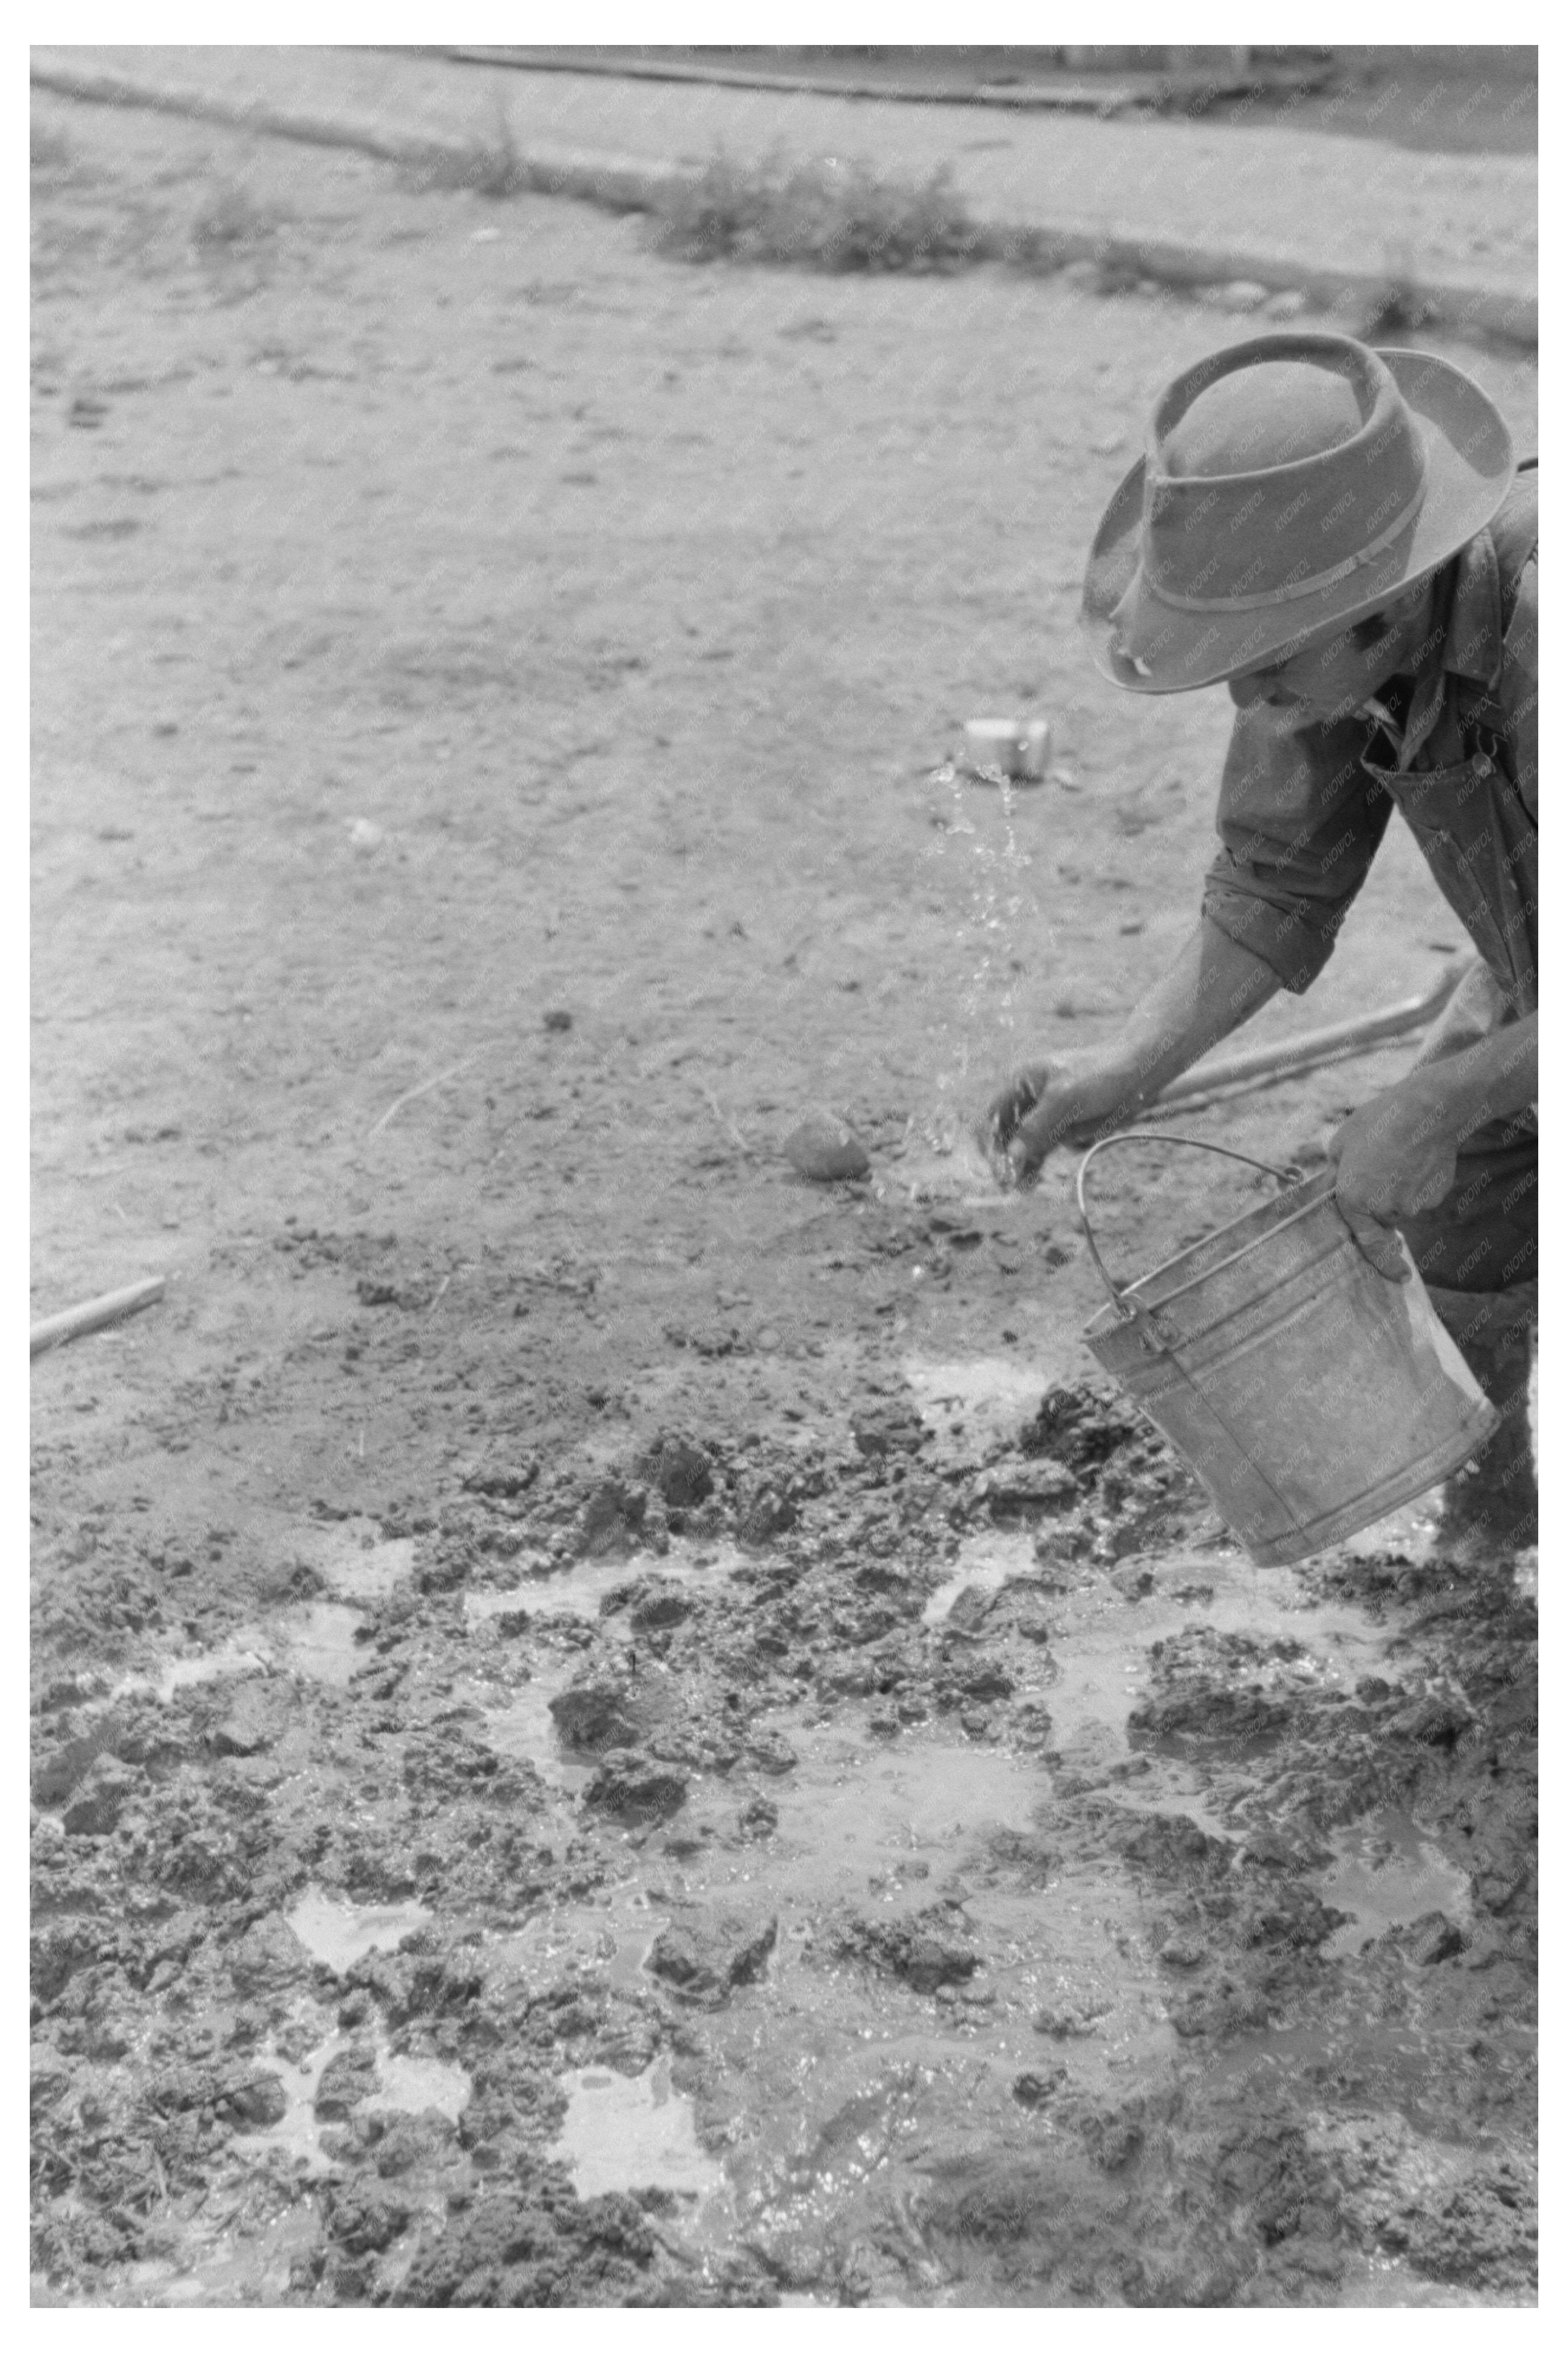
x=826, y=214
x=485, y=167
x=230, y=221
x=50, y=150
x=1398, y=303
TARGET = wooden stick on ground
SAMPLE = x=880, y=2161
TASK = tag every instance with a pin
x=1261, y=1065
x=93, y=1314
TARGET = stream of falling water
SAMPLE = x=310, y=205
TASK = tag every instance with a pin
x=983, y=832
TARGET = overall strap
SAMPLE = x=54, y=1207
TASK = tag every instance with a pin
x=1515, y=536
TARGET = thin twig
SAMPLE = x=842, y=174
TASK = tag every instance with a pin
x=422, y=1088
x=725, y=1122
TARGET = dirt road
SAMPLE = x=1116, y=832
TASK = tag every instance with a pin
x=591, y=1742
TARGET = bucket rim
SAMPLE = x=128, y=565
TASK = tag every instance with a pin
x=1295, y=1202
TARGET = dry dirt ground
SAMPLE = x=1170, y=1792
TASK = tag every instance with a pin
x=594, y=1741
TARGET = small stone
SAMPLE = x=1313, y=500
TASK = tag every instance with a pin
x=1032, y=2089
x=268, y=1956
x=764, y=1515
x=1236, y=294
x=1085, y=274
x=1288, y=305
x=826, y=1149
x=893, y=1429
x=656, y=1604
x=613, y=1519
x=681, y=1472
x=365, y=835
x=597, y=1713
x=251, y=1723
x=260, y=2101
x=707, y=1956
x=771, y=1753
x=1433, y=1938
x=632, y=1790
x=346, y=2080
x=1181, y=1953
x=1132, y=1582
x=366, y=2218
x=1063, y=2025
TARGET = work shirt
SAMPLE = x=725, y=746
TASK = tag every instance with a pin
x=1304, y=807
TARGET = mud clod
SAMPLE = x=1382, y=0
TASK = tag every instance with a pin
x=705, y=1958
x=922, y=1950
x=631, y=1790
x=106, y=1790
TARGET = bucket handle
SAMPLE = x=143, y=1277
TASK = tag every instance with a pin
x=1129, y=1308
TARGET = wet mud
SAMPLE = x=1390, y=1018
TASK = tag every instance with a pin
x=958, y=1891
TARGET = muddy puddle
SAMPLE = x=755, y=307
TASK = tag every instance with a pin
x=1387, y=1873
x=339, y=1933
x=978, y=1402
x=582, y=1590
x=398, y=2084
x=634, y=2132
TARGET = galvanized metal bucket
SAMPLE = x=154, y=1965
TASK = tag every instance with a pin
x=1309, y=1393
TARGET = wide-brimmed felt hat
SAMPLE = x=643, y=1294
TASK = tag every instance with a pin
x=1289, y=485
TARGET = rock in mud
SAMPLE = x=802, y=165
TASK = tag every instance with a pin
x=655, y=1603
x=367, y=2217
x=1435, y=1723
x=253, y=1720
x=1134, y=1583
x=1210, y=1711
x=764, y=1514
x=826, y=1149
x=613, y=1520
x=706, y=1957
x=632, y=1789
x=681, y=1472
x=100, y=1798
x=893, y=1429
x=1081, y=1426
x=923, y=1950
x=267, y=1957
x=1022, y=1606
x=1113, y=2137
x=1226, y=2007
x=769, y=1752
x=1017, y=1494
x=1032, y=2089
x=1432, y=1939
x=1066, y=2025
x=970, y=1609
x=599, y=1712
x=258, y=2100
x=346, y=2080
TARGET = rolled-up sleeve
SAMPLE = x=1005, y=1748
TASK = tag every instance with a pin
x=1300, y=821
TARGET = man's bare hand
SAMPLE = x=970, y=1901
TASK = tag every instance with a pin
x=1065, y=1100
x=1395, y=1156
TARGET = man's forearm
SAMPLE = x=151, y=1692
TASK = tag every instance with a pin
x=1494, y=1080
x=1213, y=987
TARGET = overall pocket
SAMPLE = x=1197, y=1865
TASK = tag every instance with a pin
x=1479, y=841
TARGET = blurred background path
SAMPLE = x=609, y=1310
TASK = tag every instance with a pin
x=1463, y=223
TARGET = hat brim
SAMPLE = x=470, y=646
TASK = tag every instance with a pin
x=1152, y=647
